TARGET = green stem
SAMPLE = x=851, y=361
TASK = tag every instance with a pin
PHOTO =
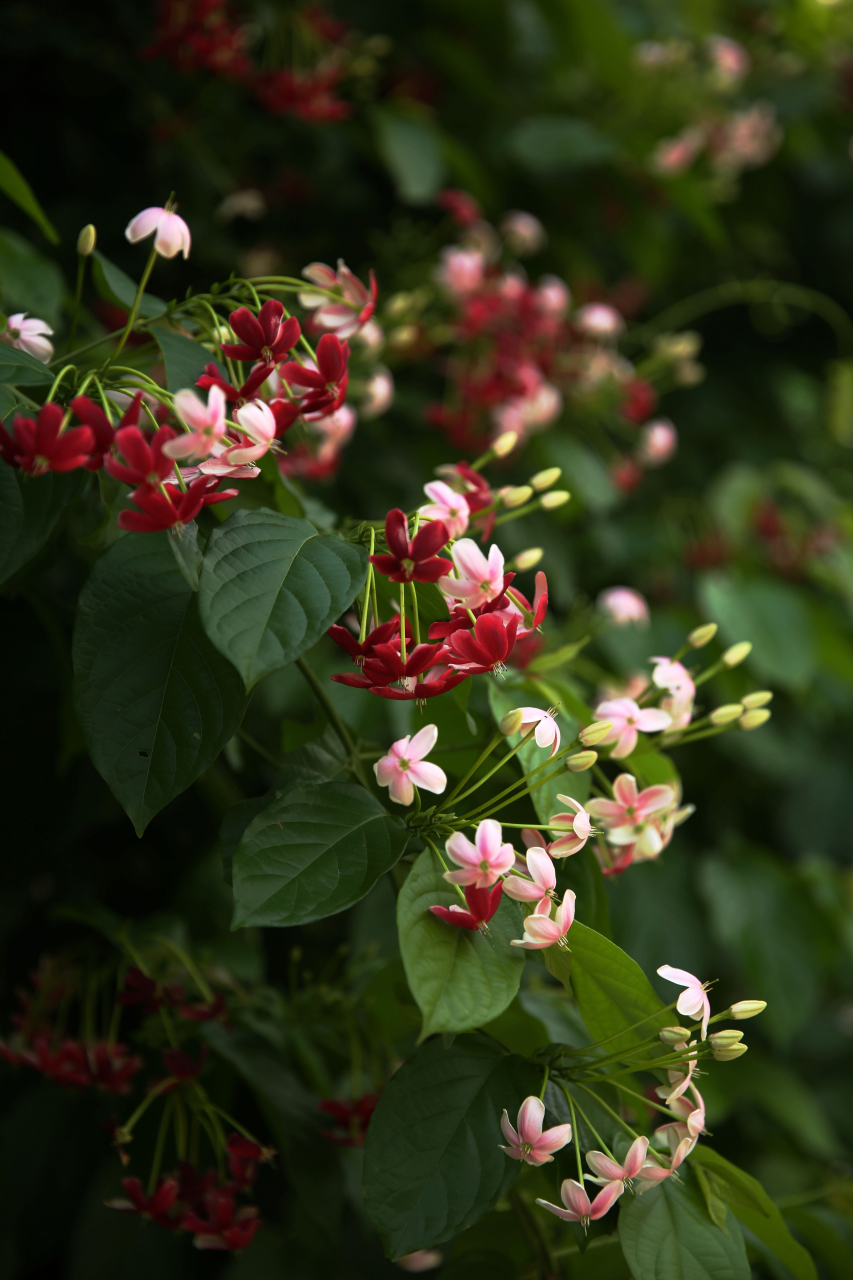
x=334, y=719
x=131, y=319
x=188, y=963
x=474, y=767
x=594, y=1132
x=503, y=760
x=608, y=1109
x=416, y=622
x=457, y=887
x=364, y=612
x=575, y=1137
x=160, y=1145
x=657, y=1106
x=657, y=1013
x=78, y=294
x=492, y=806
x=403, y=622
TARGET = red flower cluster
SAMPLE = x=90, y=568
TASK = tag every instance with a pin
x=196, y=35
x=307, y=95
x=415, y=560
x=482, y=905
x=37, y=446
x=349, y=1118
x=77, y=1066
x=146, y=466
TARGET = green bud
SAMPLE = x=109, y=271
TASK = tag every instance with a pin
x=86, y=240
x=594, y=732
x=754, y=719
x=528, y=559
x=674, y=1035
x=734, y=656
x=544, y=479
x=747, y=1009
x=758, y=699
x=511, y=722
x=729, y=1055
x=700, y=636
x=727, y=713
x=725, y=1039
x=504, y=444
x=582, y=761
x=517, y=496
x=556, y=498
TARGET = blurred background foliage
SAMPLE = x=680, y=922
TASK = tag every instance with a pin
x=571, y=110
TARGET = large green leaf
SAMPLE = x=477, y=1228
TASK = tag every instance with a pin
x=30, y=509
x=411, y=149
x=432, y=1160
x=772, y=616
x=666, y=1234
x=29, y=281
x=461, y=978
x=113, y=285
x=156, y=701
x=14, y=185
x=184, y=358
x=22, y=369
x=554, y=144
x=752, y=1205
x=314, y=851
x=271, y=585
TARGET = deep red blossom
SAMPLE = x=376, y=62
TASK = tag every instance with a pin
x=482, y=905
x=640, y=400
x=200, y=35
x=462, y=207
x=266, y=337
x=155, y=1207
x=112, y=1067
x=181, y=1065
x=35, y=444
x=385, y=665
x=65, y=1063
x=193, y=1185
x=144, y=461
x=327, y=384
x=141, y=990
x=460, y=618
x=349, y=1118
x=234, y=395
x=627, y=475
x=307, y=95
x=205, y=1012
x=93, y=417
x=379, y=635
x=537, y=611
x=244, y=1156
x=438, y=680
x=416, y=560
x=223, y=1226
x=483, y=649
x=163, y=508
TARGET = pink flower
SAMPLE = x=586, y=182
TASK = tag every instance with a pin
x=461, y=270
x=631, y=816
x=357, y=305
x=693, y=1000
x=547, y=730
x=421, y=1260
x=543, y=880
x=628, y=719
x=206, y=423
x=447, y=506
x=484, y=860
x=658, y=442
x=530, y=1144
x=608, y=1170
x=577, y=825
x=578, y=1207
x=380, y=392
x=677, y=680
x=172, y=233
x=598, y=320
x=552, y=296
x=478, y=579
x=730, y=60
x=624, y=606
x=540, y=931
x=29, y=335
x=404, y=767
x=523, y=232
x=674, y=155
x=257, y=422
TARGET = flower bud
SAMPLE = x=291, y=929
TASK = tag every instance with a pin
x=758, y=699
x=754, y=719
x=512, y=722
x=581, y=761
x=528, y=559
x=504, y=444
x=544, y=479
x=405, y=335
x=556, y=498
x=728, y=1055
x=674, y=1035
x=725, y=1039
x=517, y=496
x=747, y=1009
x=86, y=240
x=700, y=636
x=725, y=714
x=595, y=732
x=734, y=656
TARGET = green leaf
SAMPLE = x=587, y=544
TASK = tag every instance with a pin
x=554, y=144
x=22, y=369
x=461, y=978
x=752, y=1205
x=313, y=852
x=432, y=1160
x=14, y=185
x=611, y=989
x=411, y=149
x=184, y=359
x=270, y=587
x=666, y=1234
x=8, y=400
x=183, y=541
x=156, y=701
x=772, y=616
x=113, y=285
x=828, y=1236
x=29, y=280
x=30, y=509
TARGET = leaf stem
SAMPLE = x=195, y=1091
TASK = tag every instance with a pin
x=334, y=719
x=131, y=319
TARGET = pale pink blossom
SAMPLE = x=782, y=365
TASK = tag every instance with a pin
x=380, y=393
x=623, y=606
x=693, y=1000
x=513, y=285
x=483, y=861
x=529, y=1143
x=609, y=1170
x=30, y=335
x=629, y=719
x=747, y=140
x=542, y=882
x=674, y=155
x=676, y=679
x=478, y=579
x=577, y=826
x=461, y=270
x=172, y=233
x=446, y=505
x=598, y=320
x=547, y=730
x=578, y=1207
x=421, y=1260
x=530, y=412
x=658, y=442
x=405, y=768
x=553, y=296
x=681, y=1143
x=206, y=424
x=540, y=931
x=631, y=816
x=523, y=232
x=354, y=310
x=692, y=1111
x=730, y=60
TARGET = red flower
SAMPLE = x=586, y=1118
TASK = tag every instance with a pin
x=460, y=618
x=204, y=1012
x=65, y=1064
x=200, y=34
x=482, y=905
x=385, y=665
x=112, y=1068
x=93, y=416
x=327, y=384
x=35, y=445
x=166, y=507
x=626, y=475
x=640, y=400
x=462, y=207
x=379, y=635
x=416, y=560
x=437, y=680
x=144, y=462
x=484, y=649
x=139, y=989
x=350, y=1118
x=266, y=337
x=224, y=1227
x=234, y=395
x=181, y=1065
x=155, y=1207
x=244, y=1156
x=308, y=95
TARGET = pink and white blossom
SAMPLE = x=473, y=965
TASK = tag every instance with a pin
x=380, y=392
x=405, y=767
x=658, y=442
x=628, y=719
x=631, y=817
x=257, y=422
x=171, y=233
x=357, y=302
x=540, y=931
x=461, y=270
x=523, y=232
x=547, y=730
x=483, y=861
x=542, y=882
x=578, y=1207
x=598, y=320
x=447, y=505
x=608, y=1170
x=553, y=296
x=624, y=606
x=577, y=826
x=206, y=424
x=30, y=334
x=693, y=1000
x=478, y=579
x=529, y=1143
x=675, y=678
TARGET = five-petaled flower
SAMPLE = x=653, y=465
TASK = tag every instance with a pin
x=415, y=560
x=483, y=649
x=37, y=446
x=404, y=767
x=478, y=579
x=606, y=1169
x=448, y=506
x=345, y=317
x=326, y=385
x=266, y=337
x=206, y=425
x=224, y=1227
x=632, y=817
x=628, y=719
x=29, y=334
x=578, y=1207
x=541, y=931
x=693, y=1000
x=145, y=462
x=529, y=1143
x=482, y=862
x=154, y=1207
x=482, y=905
x=172, y=233
x=577, y=826
x=168, y=506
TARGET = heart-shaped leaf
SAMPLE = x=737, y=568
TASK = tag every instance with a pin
x=314, y=851
x=156, y=701
x=30, y=509
x=432, y=1160
x=20, y=368
x=271, y=585
x=666, y=1234
x=461, y=978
